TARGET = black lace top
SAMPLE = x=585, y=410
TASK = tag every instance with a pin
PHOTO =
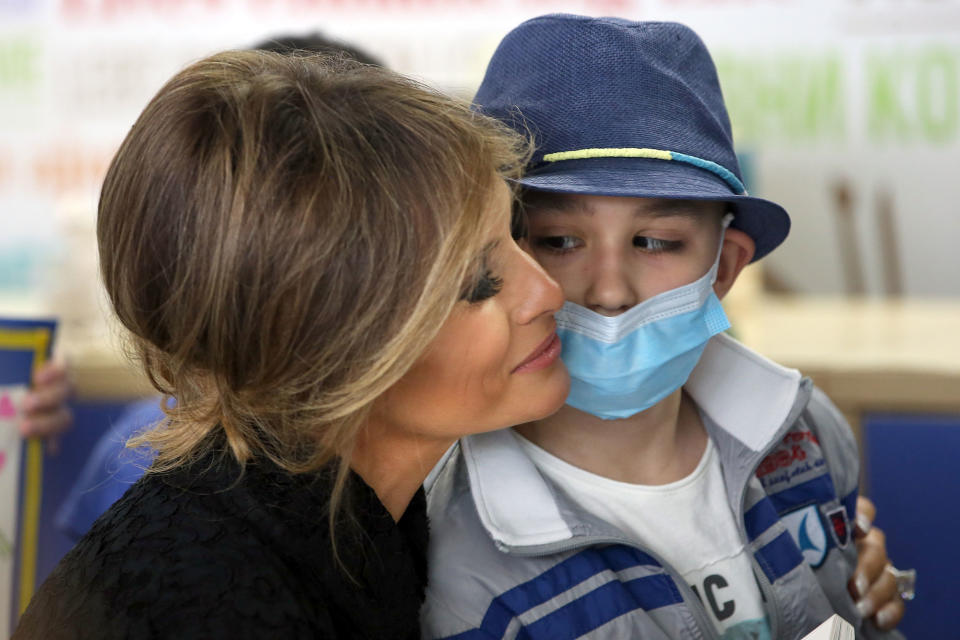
x=206, y=552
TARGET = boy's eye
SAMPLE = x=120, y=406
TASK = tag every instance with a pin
x=558, y=244
x=654, y=245
x=486, y=286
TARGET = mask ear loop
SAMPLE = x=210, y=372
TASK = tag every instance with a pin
x=724, y=225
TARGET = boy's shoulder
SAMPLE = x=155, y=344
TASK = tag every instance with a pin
x=739, y=384
x=468, y=569
x=819, y=436
x=805, y=440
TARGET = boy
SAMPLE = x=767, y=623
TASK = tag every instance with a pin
x=690, y=488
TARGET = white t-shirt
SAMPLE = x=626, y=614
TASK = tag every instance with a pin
x=688, y=523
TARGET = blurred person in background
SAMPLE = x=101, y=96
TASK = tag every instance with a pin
x=316, y=43
x=46, y=412
x=314, y=257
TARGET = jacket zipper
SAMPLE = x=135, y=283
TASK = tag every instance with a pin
x=766, y=587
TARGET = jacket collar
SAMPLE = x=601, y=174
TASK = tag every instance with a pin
x=743, y=393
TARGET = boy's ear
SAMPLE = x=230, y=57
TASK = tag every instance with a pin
x=737, y=252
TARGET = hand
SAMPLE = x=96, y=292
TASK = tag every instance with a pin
x=874, y=589
x=46, y=414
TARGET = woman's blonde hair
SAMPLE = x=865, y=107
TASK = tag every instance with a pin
x=284, y=236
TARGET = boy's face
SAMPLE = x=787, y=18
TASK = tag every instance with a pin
x=610, y=253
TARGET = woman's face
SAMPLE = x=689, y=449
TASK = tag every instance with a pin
x=496, y=361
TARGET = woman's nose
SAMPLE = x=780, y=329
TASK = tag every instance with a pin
x=538, y=294
x=610, y=291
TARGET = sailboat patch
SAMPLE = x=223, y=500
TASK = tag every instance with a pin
x=807, y=531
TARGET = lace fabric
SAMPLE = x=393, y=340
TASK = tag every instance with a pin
x=205, y=552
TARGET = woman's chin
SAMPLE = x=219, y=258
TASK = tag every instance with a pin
x=550, y=396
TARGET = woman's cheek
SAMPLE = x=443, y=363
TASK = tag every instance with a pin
x=492, y=351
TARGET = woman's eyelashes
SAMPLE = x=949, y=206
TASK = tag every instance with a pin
x=486, y=286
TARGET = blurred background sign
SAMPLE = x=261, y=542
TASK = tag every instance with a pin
x=846, y=111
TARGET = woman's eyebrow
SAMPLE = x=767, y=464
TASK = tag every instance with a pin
x=483, y=259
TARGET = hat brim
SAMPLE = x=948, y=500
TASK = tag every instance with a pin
x=764, y=221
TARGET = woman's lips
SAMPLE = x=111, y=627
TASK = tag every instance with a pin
x=543, y=356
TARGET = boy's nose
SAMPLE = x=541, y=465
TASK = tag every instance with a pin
x=610, y=292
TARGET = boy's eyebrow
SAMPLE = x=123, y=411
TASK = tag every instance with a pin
x=673, y=208
x=557, y=203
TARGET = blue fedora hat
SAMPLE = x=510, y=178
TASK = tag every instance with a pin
x=623, y=108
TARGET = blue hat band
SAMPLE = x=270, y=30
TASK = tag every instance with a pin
x=655, y=154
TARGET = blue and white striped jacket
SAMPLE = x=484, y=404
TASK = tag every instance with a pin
x=512, y=557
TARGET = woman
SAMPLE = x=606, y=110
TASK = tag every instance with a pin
x=314, y=257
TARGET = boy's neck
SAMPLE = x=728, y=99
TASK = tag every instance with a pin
x=660, y=445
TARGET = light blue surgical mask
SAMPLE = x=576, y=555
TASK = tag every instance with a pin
x=622, y=365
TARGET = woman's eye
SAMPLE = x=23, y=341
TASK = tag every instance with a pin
x=486, y=286
x=558, y=244
x=655, y=245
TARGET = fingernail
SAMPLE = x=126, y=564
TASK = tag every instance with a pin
x=863, y=523
x=862, y=585
x=865, y=607
x=883, y=618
